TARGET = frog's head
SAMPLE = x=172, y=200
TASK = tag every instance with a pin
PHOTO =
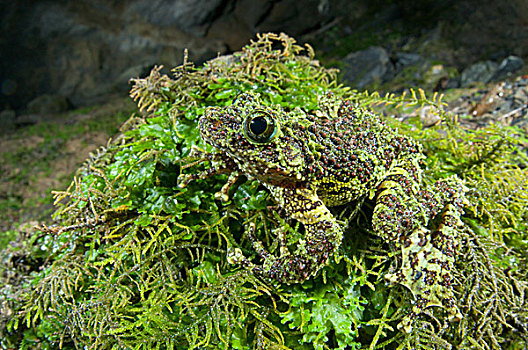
x=255, y=136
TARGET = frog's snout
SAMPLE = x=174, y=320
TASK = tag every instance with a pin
x=209, y=123
x=217, y=126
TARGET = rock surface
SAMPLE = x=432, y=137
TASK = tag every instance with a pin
x=48, y=104
x=367, y=67
x=508, y=66
x=81, y=49
x=87, y=50
x=7, y=120
x=478, y=72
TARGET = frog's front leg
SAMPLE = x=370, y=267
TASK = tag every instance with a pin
x=220, y=164
x=323, y=236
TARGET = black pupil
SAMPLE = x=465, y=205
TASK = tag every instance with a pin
x=258, y=125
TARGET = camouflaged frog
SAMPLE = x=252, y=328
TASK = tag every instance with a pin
x=338, y=154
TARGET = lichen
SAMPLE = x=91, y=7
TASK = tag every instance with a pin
x=136, y=262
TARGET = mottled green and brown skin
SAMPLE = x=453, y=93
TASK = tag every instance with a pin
x=339, y=154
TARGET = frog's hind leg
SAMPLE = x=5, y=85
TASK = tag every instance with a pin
x=427, y=260
x=401, y=216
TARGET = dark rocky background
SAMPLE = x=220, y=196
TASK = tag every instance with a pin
x=77, y=53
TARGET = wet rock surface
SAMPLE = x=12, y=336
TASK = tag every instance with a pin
x=374, y=66
x=503, y=103
x=80, y=50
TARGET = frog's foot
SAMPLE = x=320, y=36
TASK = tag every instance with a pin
x=286, y=268
x=322, y=237
x=310, y=256
x=223, y=194
x=235, y=255
x=185, y=179
x=425, y=271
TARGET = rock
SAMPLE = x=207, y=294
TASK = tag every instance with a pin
x=366, y=67
x=504, y=103
x=48, y=104
x=504, y=107
x=452, y=83
x=236, y=27
x=29, y=119
x=427, y=117
x=7, y=120
x=223, y=61
x=121, y=83
x=520, y=97
x=188, y=15
x=478, y=72
x=294, y=17
x=82, y=49
x=507, y=67
x=404, y=59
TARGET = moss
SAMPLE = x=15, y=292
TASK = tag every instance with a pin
x=136, y=262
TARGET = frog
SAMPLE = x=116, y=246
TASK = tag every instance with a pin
x=338, y=153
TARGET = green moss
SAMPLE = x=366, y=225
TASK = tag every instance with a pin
x=136, y=262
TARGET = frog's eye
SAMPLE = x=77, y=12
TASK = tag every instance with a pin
x=260, y=127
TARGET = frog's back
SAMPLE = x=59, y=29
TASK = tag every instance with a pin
x=356, y=149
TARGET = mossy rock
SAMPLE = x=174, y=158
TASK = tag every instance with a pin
x=136, y=262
